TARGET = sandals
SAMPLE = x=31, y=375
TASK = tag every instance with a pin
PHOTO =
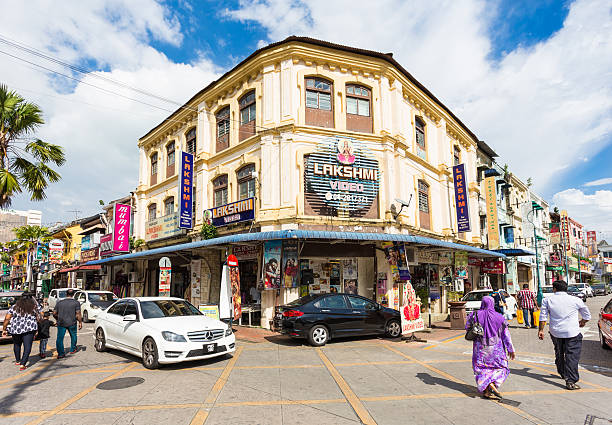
x=22, y=367
x=572, y=386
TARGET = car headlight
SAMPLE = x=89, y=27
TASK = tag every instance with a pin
x=171, y=336
x=228, y=331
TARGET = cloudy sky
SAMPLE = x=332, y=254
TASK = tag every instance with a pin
x=532, y=79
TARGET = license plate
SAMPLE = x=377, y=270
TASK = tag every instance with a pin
x=210, y=348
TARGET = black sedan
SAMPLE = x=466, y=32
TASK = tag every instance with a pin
x=576, y=292
x=324, y=316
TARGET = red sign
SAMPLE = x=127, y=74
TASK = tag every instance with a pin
x=476, y=262
x=106, y=244
x=232, y=261
x=493, y=267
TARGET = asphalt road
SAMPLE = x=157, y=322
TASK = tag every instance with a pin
x=370, y=380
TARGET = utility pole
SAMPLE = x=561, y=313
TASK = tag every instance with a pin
x=534, y=208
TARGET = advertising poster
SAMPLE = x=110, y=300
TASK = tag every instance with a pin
x=165, y=277
x=349, y=269
x=290, y=264
x=121, y=232
x=196, y=270
x=234, y=276
x=56, y=251
x=391, y=255
x=492, y=223
x=402, y=263
x=461, y=198
x=185, y=182
x=396, y=300
x=350, y=286
x=271, y=266
x=209, y=310
x=410, y=311
x=555, y=233
x=461, y=265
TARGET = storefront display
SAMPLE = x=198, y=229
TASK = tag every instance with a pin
x=272, y=261
x=290, y=264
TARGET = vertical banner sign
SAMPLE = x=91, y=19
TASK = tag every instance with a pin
x=234, y=275
x=185, y=178
x=290, y=264
x=461, y=263
x=165, y=276
x=492, y=223
x=555, y=234
x=121, y=233
x=592, y=243
x=272, y=260
x=410, y=311
x=461, y=198
x=565, y=232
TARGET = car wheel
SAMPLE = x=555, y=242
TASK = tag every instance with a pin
x=318, y=335
x=393, y=329
x=85, y=316
x=150, y=356
x=100, y=343
x=602, y=340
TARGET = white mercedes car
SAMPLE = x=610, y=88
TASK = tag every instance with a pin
x=162, y=330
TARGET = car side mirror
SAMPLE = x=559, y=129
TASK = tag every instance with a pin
x=130, y=318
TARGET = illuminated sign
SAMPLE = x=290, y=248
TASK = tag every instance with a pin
x=185, y=179
x=234, y=212
x=461, y=199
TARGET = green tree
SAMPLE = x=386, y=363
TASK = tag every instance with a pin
x=24, y=159
x=27, y=239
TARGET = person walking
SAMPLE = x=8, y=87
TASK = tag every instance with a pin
x=490, y=352
x=527, y=303
x=43, y=334
x=562, y=311
x=21, y=321
x=500, y=301
x=67, y=312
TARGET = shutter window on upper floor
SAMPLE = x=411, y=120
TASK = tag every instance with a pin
x=319, y=102
x=223, y=128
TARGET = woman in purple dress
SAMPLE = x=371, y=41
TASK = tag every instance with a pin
x=491, y=351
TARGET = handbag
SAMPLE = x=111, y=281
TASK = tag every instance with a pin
x=475, y=330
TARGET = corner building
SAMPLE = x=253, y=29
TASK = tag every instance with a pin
x=316, y=137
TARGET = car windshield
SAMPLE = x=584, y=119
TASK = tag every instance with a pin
x=7, y=302
x=167, y=308
x=573, y=289
x=598, y=286
x=101, y=297
x=302, y=301
x=476, y=296
x=62, y=294
x=547, y=290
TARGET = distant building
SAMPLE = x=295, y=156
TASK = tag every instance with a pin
x=9, y=219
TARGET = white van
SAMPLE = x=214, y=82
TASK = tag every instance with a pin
x=55, y=295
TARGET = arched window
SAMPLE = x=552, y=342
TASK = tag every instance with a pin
x=424, y=216
x=319, y=102
x=247, y=116
x=223, y=128
x=154, y=169
x=246, y=182
x=191, y=141
x=169, y=206
x=419, y=129
x=171, y=158
x=220, y=190
x=358, y=108
x=152, y=210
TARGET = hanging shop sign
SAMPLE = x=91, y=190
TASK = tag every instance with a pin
x=165, y=276
x=607, y=261
x=475, y=262
x=492, y=223
x=195, y=267
x=234, y=212
x=555, y=233
x=86, y=242
x=461, y=198
x=410, y=311
x=341, y=179
x=493, y=267
x=445, y=258
x=106, y=245
x=427, y=257
x=461, y=263
x=121, y=232
x=556, y=258
x=90, y=254
x=565, y=231
x=290, y=264
x=246, y=252
x=591, y=244
x=185, y=183
x=56, y=251
x=272, y=261
x=163, y=227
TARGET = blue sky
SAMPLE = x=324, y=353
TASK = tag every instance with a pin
x=532, y=78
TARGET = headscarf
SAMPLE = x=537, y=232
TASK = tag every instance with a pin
x=490, y=320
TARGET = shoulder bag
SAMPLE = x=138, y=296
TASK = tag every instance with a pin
x=475, y=329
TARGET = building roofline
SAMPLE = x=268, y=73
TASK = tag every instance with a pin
x=387, y=57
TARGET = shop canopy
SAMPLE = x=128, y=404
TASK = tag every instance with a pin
x=515, y=252
x=303, y=235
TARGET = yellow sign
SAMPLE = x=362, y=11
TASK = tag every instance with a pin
x=565, y=232
x=492, y=223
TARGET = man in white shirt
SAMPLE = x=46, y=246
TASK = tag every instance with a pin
x=566, y=314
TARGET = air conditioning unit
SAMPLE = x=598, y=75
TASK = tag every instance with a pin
x=133, y=277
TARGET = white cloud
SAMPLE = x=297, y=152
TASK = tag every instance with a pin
x=599, y=182
x=592, y=211
x=99, y=130
x=539, y=107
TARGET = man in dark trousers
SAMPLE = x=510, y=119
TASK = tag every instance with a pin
x=527, y=303
x=67, y=312
x=566, y=314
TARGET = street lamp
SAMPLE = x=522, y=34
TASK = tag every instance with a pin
x=534, y=208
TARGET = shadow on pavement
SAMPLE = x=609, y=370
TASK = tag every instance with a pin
x=466, y=389
x=596, y=359
x=539, y=377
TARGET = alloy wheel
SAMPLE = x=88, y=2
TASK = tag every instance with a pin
x=394, y=329
x=319, y=335
x=100, y=340
x=149, y=353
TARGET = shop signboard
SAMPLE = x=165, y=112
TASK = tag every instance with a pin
x=209, y=310
x=163, y=227
x=565, y=231
x=290, y=264
x=165, y=276
x=607, y=261
x=234, y=276
x=445, y=258
x=461, y=198
x=461, y=263
x=185, y=183
x=341, y=179
x=492, y=223
x=427, y=257
x=121, y=232
x=90, y=254
x=493, y=267
x=86, y=242
x=591, y=244
x=56, y=251
x=410, y=311
x=475, y=262
x=106, y=245
x=245, y=252
x=234, y=212
x=196, y=271
x=272, y=261
x=555, y=233
x=556, y=258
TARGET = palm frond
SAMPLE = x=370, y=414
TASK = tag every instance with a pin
x=9, y=186
x=46, y=152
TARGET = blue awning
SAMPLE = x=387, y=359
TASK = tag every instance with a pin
x=515, y=252
x=303, y=235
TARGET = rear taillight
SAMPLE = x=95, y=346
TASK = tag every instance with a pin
x=292, y=313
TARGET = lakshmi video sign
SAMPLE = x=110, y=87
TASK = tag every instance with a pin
x=341, y=180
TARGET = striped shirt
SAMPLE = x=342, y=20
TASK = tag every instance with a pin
x=527, y=299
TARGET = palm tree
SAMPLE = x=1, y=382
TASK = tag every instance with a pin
x=27, y=238
x=24, y=159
